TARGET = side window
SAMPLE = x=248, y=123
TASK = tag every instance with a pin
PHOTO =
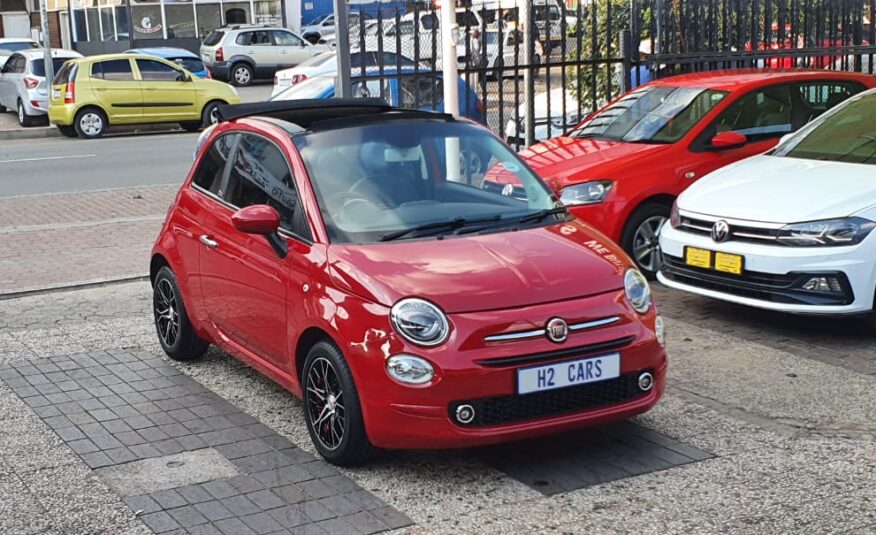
x=759, y=115
x=259, y=38
x=261, y=175
x=420, y=92
x=155, y=71
x=18, y=64
x=818, y=97
x=209, y=174
x=287, y=39
x=118, y=70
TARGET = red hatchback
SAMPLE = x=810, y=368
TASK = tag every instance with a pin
x=621, y=169
x=345, y=250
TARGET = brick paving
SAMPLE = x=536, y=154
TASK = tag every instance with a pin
x=60, y=240
x=117, y=407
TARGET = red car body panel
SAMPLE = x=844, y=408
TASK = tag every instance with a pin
x=263, y=309
x=643, y=172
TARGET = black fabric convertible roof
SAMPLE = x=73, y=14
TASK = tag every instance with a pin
x=303, y=112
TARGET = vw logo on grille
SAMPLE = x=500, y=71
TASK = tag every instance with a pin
x=507, y=190
x=557, y=330
x=720, y=231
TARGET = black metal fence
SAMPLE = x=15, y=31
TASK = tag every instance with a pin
x=532, y=69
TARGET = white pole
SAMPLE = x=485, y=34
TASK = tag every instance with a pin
x=48, y=66
x=450, y=74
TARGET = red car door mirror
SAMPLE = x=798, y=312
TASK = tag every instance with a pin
x=728, y=140
x=256, y=219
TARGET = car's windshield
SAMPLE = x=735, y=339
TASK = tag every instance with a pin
x=189, y=64
x=38, y=66
x=312, y=88
x=846, y=135
x=653, y=114
x=391, y=180
x=9, y=48
x=318, y=20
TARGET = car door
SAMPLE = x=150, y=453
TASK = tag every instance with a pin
x=244, y=280
x=762, y=115
x=116, y=90
x=259, y=46
x=291, y=49
x=10, y=77
x=168, y=93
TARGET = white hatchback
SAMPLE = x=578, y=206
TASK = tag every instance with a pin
x=789, y=230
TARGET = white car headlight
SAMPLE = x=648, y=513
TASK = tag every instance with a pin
x=828, y=232
x=420, y=322
x=409, y=369
x=637, y=290
x=660, y=331
x=593, y=192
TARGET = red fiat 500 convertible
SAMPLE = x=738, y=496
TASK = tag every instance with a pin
x=346, y=250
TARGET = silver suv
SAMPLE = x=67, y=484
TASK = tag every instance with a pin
x=240, y=54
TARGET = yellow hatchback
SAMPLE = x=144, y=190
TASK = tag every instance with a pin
x=89, y=94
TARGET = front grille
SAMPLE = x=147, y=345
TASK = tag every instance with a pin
x=519, y=408
x=741, y=233
x=762, y=286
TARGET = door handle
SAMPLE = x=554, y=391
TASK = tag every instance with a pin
x=212, y=244
x=100, y=89
x=151, y=89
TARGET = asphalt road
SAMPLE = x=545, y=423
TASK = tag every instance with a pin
x=29, y=167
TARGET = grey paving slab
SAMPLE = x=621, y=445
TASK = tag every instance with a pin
x=185, y=460
x=582, y=459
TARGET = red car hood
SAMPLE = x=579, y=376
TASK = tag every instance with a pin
x=570, y=160
x=488, y=272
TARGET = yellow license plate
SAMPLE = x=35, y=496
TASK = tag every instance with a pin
x=728, y=263
x=700, y=258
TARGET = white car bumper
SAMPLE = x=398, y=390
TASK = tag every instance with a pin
x=774, y=274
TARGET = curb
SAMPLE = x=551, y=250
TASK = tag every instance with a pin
x=45, y=132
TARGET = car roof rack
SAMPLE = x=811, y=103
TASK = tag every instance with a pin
x=305, y=111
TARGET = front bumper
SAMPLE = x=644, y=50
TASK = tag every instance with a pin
x=474, y=372
x=773, y=274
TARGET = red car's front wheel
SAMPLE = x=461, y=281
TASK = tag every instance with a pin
x=175, y=332
x=332, y=409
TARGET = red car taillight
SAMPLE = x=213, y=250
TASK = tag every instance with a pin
x=31, y=82
x=220, y=54
x=298, y=78
x=70, y=95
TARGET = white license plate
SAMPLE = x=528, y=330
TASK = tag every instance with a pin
x=568, y=373
x=56, y=93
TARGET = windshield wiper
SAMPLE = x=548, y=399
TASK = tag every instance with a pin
x=441, y=226
x=530, y=218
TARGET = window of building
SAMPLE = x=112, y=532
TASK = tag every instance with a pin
x=147, y=21
x=180, y=21
x=236, y=12
x=209, y=16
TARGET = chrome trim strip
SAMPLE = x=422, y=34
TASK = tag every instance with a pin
x=764, y=237
x=514, y=336
x=594, y=323
x=541, y=332
x=731, y=221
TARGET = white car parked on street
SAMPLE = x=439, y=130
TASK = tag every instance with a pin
x=23, y=82
x=789, y=230
x=327, y=63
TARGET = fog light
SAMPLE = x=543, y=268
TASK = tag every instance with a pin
x=409, y=369
x=646, y=382
x=823, y=284
x=660, y=331
x=465, y=414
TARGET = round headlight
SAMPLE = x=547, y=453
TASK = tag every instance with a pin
x=409, y=369
x=420, y=322
x=637, y=290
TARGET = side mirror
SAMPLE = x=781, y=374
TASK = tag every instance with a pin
x=256, y=219
x=183, y=77
x=728, y=140
x=264, y=220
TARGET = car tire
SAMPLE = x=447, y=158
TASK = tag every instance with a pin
x=640, y=239
x=90, y=123
x=176, y=335
x=191, y=127
x=24, y=119
x=339, y=437
x=67, y=131
x=241, y=74
x=209, y=115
